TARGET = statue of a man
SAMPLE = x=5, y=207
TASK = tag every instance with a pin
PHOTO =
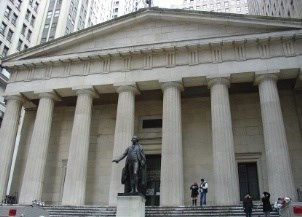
x=134, y=172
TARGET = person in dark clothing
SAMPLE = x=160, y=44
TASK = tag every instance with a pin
x=248, y=205
x=194, y=193
x=267, y=208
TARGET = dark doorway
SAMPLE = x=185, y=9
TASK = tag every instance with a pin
x=248, y=180
x=153, y=180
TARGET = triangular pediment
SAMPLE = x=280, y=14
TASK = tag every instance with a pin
x=153, y=29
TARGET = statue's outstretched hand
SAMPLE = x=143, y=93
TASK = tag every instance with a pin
x=116, y=161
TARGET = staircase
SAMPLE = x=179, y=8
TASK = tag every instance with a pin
x=151, y=211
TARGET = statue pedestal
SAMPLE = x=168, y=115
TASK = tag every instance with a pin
x=130, y=205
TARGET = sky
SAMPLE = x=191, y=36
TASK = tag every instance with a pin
x=166, y=3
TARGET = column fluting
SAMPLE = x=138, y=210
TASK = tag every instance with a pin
x=225, y=168
x=279, y=170
x=8, y=133
x=76, y=172
x=171, y=176
x=124, y=129
x=33, y=177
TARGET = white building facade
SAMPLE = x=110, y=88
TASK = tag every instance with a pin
x=210, y=96
x=276, y=8
x=64, y=17
x=225, y=6
x=123, y=7
x=19, y=24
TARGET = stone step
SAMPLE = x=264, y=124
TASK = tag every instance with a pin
x=102, y=211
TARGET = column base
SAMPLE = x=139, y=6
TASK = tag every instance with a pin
x=130, y=205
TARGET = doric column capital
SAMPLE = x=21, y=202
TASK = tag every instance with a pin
x=90, y=92
x=264, y=77
x=221, y=80
x=177, y=84
x=17, y=97
x=49, y=95
x=127, y=88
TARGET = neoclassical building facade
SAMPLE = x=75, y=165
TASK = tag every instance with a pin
x=213, y=96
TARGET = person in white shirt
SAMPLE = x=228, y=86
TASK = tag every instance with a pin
x=203, y=192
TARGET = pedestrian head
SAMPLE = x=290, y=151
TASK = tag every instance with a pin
x=202, y=180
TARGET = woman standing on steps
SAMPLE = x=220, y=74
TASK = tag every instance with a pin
x=194, y=193
x=248, y=205
x=267, y=208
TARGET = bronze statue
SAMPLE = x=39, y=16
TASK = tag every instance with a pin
x=134, y=172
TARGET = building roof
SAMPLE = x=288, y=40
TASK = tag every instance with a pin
x=243, y=24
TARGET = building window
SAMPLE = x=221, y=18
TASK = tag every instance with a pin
x=5, y=51
x=23, y=29
x=238, y=2
x=43, y=40
x=18, y=4
x=25, y=46
x=27, y=15
x=57, y=13
x=49, y=14
x=151, y=123
x=3, y=28
x=14, y=19
x=226, y=4
x=20, y=42
x=7, y=12
x=33, y=19
x=227, y=10
x=29, y=33
x=36, y=6
x=9, y=35
x=238, y=9
x=204, y=7
x=31, y=2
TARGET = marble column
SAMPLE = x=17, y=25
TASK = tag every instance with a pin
x=76, y=173
x=124, y=129
x=279, y=170
x=8, y=133
x=33, y=177
x=171, y=177
x=225, y=168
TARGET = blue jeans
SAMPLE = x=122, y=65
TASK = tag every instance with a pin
x=203, y=198
x=248, y=214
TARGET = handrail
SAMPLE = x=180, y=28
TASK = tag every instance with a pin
x=299, y=192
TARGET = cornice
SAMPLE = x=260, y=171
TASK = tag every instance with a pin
x=155, y=48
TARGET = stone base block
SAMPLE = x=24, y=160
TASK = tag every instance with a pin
x=130, y=205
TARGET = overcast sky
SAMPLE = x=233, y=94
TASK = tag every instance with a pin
x=166, y=3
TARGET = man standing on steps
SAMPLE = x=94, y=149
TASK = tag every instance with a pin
x=134, y=172
x=203, y=192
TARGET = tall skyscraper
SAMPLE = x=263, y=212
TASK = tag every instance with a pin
x=3, y=83
x=67, y=16
x=226, y=6
x=19, y=29
x=277, y=8
x=19, y=24
x=122, y=7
